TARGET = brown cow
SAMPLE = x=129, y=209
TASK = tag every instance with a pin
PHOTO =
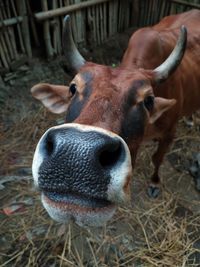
x=83, y=167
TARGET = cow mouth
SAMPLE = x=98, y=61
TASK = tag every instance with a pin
x=85, y=211
x=77, y=200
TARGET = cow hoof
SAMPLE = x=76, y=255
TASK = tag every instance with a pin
x=153, y=191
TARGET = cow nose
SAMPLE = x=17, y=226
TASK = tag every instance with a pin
x=81, y=160
x=100, y=149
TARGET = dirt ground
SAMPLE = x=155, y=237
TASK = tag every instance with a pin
x=162, y=232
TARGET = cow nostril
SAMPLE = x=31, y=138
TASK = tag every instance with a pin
x=49, y=145
x=110, y=156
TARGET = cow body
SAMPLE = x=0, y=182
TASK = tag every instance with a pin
x=84, y=166
x=149, y=47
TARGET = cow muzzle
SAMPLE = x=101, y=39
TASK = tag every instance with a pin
x=83, y=172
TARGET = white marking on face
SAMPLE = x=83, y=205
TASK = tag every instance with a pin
x=38, y=158
x=119, y=176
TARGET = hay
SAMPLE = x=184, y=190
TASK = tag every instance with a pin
x=151, y=237
x=149, y=233
x=19, y=138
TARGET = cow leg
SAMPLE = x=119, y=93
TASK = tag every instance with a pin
x=157, y=158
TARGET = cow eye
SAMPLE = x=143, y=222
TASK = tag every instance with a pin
x=72, y=88
x=149, y=102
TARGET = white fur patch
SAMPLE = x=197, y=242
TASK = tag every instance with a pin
x=38, y=159
x=93, y=217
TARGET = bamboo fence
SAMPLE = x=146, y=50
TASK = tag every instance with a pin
x=93, y=21
x=15, y=47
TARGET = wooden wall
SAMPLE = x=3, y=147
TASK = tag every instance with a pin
x=28, y=24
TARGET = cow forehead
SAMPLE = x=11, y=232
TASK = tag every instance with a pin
x=103, y=78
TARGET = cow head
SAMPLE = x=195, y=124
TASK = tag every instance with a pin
x=84, y=167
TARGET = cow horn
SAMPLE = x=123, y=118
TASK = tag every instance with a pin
x=172, y=62
x=74, y=59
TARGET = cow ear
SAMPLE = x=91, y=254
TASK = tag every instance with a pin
x=160, y=106
x=54, y=97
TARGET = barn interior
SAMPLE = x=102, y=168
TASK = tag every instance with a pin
x=146, y=232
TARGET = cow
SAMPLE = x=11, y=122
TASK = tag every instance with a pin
x=84, y=167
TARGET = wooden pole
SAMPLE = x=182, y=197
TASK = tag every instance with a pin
x=167, y=8
x=54, y=25
x=25, y=27
x=127, y=16
x=47, y=37
x=120, y=17
x=102, y=30
x=90, y=34
x=159, y=10
x=11, y=21
x=105, y=20
x=73, y=22
x=18, y=27
x=5, y=41
x=173, y=8
x=32, y=23
x=135, y=11
x=4, y=49
x=115, y=17
x=97, y=22
x=94, y=24
x=4, y=32
x=142, y=8
x=1, y=63
x=153, y=11
x=58, y=32
x=147, y=12
x=193, y=5
x=79, y=24
x=110, y=12
x=3, y=58
x=67, y=9
x=11, y=32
